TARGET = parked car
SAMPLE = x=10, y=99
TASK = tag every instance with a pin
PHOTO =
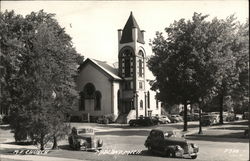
x=169, y=144
x=84, y=139
x=176, y=118
x=209, y=120
x=246, y=115
x=144, y=121
x=190, y=117
x=196, y=116
x=246, y=132
x=164, y=119
x=102, y=120
x=230, y=116
x=238, y=117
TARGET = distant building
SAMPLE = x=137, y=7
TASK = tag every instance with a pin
x=121, y=91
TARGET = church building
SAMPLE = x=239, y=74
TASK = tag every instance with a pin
x=122, y=90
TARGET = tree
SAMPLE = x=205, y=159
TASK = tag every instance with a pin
x=183, y=63
x=240, y=94
x=41, y=84
x=194, y=61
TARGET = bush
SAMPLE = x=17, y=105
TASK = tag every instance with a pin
x=75, y=119
x=5, y=119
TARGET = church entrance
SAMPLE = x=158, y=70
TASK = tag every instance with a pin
x=126, y=106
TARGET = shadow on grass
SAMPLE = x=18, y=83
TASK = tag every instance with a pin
x=229, y=137
x=231, y=128
x=125, y=133
x=65, y=147
x=241, y=122
x=20, y=143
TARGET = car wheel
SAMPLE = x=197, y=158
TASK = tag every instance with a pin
x=100, y=143
x=172, y=154
x=77, y=146
x=194, y=156
x=70, y=141
x=149, y=148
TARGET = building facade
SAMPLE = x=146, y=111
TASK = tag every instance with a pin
x=120, y=91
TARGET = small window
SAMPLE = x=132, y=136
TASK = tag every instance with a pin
x=131, y=85
x=141, y=104
x=140, y=67
x=157, y=104
x=140, y=85
x=132, y=104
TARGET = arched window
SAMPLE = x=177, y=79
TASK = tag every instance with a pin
x=140, y=67
x=141, y=104
x=127, y=63
x=141, y=53
x=98, y=97
x=127, y=67
x=82, y=101
x=89, y=90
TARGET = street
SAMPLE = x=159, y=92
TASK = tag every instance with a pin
x=217, y=143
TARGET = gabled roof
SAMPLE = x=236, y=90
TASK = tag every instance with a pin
x=127, y=31
x=103, y=66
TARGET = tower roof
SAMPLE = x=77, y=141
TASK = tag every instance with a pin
x=127, y=31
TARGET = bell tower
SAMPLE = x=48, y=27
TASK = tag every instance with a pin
x=131, y=47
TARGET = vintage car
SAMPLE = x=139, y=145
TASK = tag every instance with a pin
x=163, y=119
x=144, y=121
x=168, y=143
x=209, y=120
x=175, y=118
x=84, y=139
x=246, y=132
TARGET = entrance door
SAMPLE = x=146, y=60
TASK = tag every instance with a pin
x=127, y=107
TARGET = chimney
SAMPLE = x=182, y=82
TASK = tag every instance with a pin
x=119, y=35
x=134, y=33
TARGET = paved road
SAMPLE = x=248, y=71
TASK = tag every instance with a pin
x=122, y=139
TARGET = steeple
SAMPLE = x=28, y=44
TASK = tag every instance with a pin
x=127, y=32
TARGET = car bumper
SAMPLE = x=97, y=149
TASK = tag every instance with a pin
x=90, y=149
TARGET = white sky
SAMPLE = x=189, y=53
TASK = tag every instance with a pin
x=95, y=23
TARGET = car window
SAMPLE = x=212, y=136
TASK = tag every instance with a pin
x=153, y=133
x=87, y=130
x=169, y=134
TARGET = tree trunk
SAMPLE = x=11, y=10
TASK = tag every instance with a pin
x=221, y=107
x=42, y=142
x=200, y=111
x=55, y=146
x=185, y=117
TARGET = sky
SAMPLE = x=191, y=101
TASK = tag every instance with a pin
x=93, y=25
